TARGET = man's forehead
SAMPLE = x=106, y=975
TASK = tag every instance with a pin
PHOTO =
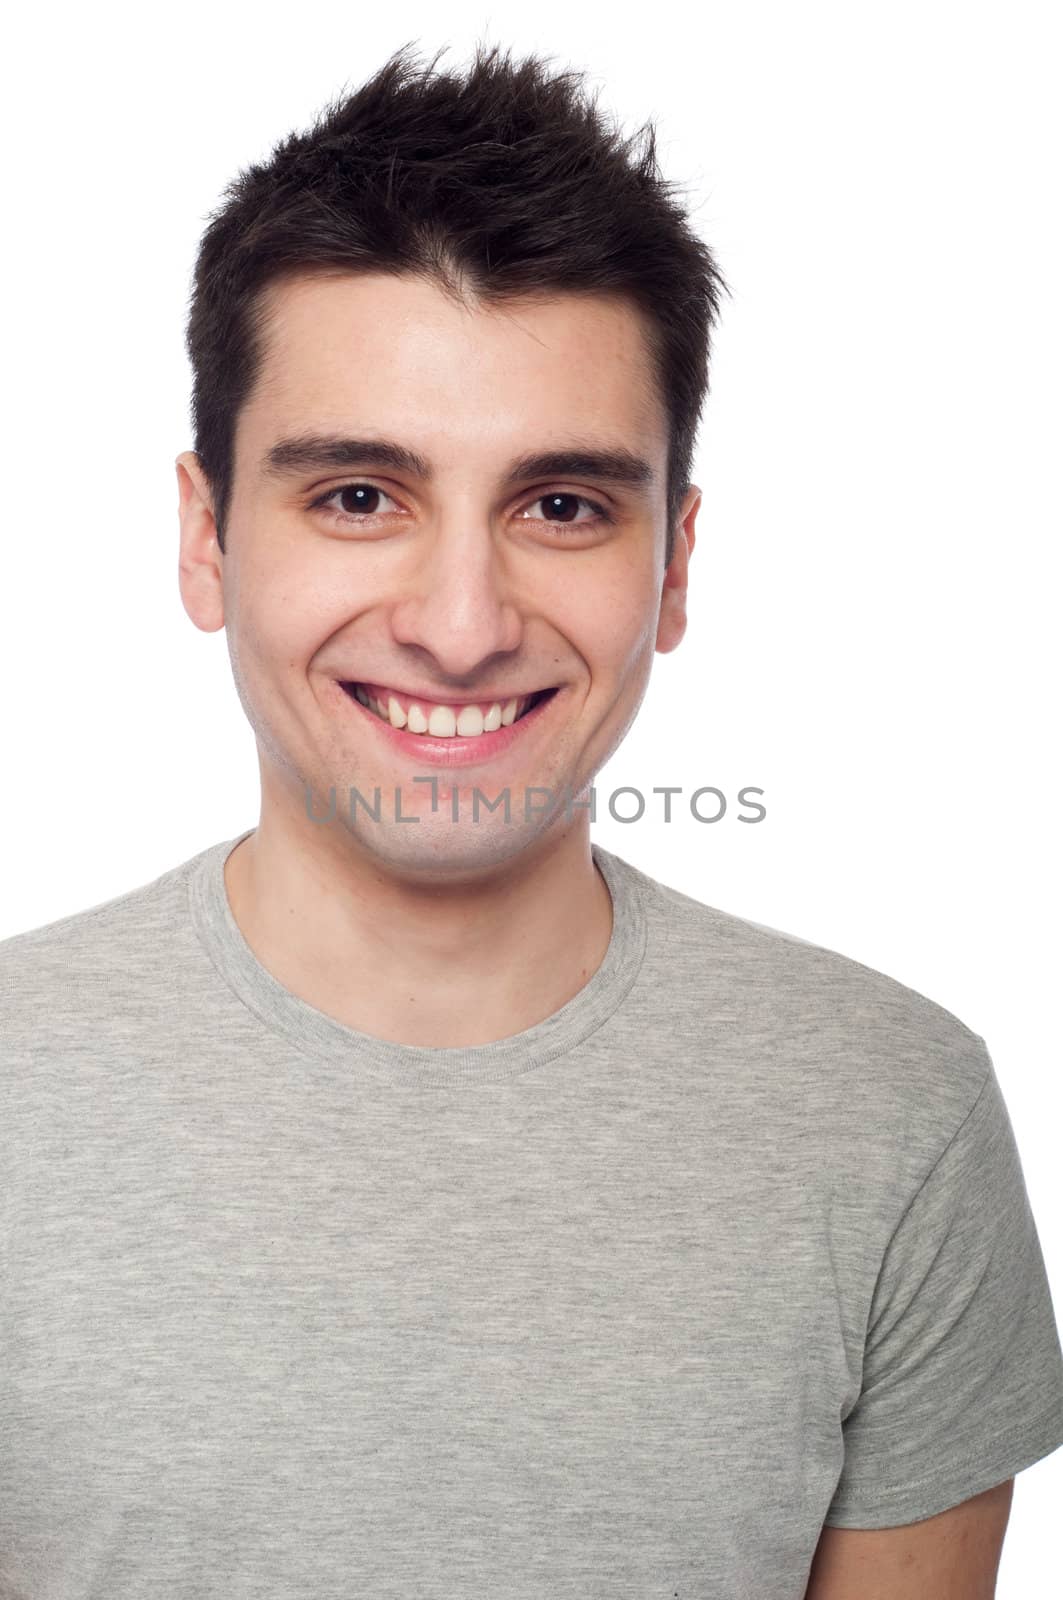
x=307, y=291
x=317, y=406
x=315, y=321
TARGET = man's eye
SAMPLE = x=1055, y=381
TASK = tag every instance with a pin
x=559, y=502
x=356, y=500
x=359, y=501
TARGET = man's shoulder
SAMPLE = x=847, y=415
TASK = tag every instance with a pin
x=787, y=997
x=115, y=935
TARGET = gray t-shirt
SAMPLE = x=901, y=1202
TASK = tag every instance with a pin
x=734, y=1244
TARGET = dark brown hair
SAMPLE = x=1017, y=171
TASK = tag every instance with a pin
x=503, y=182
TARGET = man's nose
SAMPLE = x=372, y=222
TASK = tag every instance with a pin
x=461, y=606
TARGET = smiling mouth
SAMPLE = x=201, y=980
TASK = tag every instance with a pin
x=440, y=719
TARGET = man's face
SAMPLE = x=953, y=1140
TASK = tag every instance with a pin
x=455, y=593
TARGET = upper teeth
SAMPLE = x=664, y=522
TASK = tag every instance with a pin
x=442, y=721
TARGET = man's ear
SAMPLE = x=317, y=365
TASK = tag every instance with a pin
x=672, y=622
x=199, y=568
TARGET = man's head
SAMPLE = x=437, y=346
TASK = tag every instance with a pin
x=477, y=271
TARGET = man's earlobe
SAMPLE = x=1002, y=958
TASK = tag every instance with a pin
x=672, y=621
x=199, y=565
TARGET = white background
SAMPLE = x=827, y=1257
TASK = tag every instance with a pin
x=874, y=591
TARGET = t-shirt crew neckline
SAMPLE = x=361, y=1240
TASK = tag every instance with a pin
x=326, y=1037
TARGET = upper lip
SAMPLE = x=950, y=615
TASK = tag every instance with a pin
x=441, y=696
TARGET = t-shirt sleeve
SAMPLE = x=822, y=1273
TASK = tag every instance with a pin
x=962, y=1383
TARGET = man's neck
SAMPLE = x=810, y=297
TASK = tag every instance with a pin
x=438, y=966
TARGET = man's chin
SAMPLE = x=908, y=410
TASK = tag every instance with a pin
x=435, y=848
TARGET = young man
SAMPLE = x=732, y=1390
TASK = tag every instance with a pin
x=409, y=1197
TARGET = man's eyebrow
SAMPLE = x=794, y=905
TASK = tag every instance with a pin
x=313, y=451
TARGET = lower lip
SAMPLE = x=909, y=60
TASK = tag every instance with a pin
x=455, y=751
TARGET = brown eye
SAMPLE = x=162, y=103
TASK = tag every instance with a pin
x=561, y=510
x=359, y=497
x=557, y=504
x=356, y=500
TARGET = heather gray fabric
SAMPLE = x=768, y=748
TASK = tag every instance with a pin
x=626, y=1305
